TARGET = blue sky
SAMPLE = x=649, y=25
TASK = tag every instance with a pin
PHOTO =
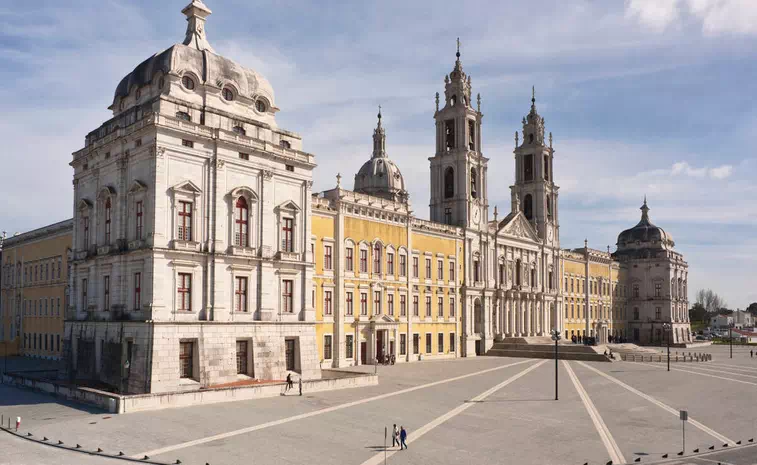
x=652, y=97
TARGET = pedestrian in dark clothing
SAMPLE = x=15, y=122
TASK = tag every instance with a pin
x=395, y=436
x=751, y=353
x=403, y=437
x=300, y=383
x=290, y=385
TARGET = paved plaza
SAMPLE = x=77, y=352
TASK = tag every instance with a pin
x=483, y=410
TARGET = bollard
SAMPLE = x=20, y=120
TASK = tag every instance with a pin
x=18, y=423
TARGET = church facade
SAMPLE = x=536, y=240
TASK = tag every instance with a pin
x=202, y=257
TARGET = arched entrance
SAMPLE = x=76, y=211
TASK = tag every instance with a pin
x=478, y=324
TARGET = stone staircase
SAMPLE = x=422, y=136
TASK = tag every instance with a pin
x=544, y=347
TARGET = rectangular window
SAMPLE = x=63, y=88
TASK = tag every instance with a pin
x=447, y=216
x=85, y=233
x=452, y=307
x=185, y=221
x=327, y=307
x=415, y=306
x=390, y=263
x=349, y=259
x=240, y=294
x=57, y=342
x=349, y=346
x=363, y=261
x=287, y=235
x=287, y=296
x=403, y=344
x=186, y=359
x=377, y=258
x=658, y=313
x=327, y=347
x=428, y=343
x=242, y=357
x=440, y=270
x=528, y=168
x=187, y=143
x=403, y=265
x=440, y=307
x=137, y=291
x=452, y=342
x=185, y=292
x=449, y=134
x=452, y=271
x=376, y=302
x=440, y=343
x=244, y=156
x=636, y=290
x=289, y=168
x=657, y=289
x=415, y=267
x=106, y=294
x=416, y=343
x=350, y=304
x=57, y=307
x=327, y=264
x=476, y=271
x=139, y=219
x=390, y=303
x=428, y=268
x=363, y=303
x=403, y=305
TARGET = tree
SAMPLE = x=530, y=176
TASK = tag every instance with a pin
x=710, y=300
x=698, y=313
x=752, y=308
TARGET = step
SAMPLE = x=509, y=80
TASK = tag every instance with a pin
x=544, y=354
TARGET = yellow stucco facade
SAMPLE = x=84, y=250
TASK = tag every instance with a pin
x=386, y=283
x=33, y=296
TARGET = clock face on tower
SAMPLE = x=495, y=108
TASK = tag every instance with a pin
x=476, y=216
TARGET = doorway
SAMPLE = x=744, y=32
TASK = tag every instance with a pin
x=290, y=345
x=363, y=352
x=379, y=344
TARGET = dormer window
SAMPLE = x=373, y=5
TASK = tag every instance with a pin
x=188, y=83
x=183, y=115
x=239, y=130
x=228, y=94
x=285, y=144
x=261, y=106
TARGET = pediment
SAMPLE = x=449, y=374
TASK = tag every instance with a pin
x=187, y=186
x=243, y=191
x=382, y=319
x=106, y=192
x=84, y=204
x=289, y=206
x=137, y=186
x=516, y=225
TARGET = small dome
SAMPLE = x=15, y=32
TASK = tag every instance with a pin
x=644, y=234
x=196, y=57
x=380, y=176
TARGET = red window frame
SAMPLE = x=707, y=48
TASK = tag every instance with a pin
x=350, y=309
x=390, y=263
x=137, y=291
x=377, y=258
x=376, y=302
x=428, y=306
x=184, y=290
x=451, y=307
x=287, y=235
x=416, y=310
x=363, y=303
x=108, y=218
x=403, y=265
x=240, y=294
x=440, y=270
x=363, y=261
x=440, y=304
x=415, y=267
x=451, y=271
x=349, y=260
x=403, y=305
x=428, y=268
x=390, y=303
x=327, y=263
x=327, y=307
x=287, y=295
x=185, y=221
x=139, y=219
x=241, y=223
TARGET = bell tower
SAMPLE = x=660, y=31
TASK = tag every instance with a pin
x=535, y=191
x=458, y=169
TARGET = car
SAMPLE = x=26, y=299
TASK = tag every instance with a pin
x=701, y=338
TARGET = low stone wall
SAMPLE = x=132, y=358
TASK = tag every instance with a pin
x=664, y=358
x=114, y=403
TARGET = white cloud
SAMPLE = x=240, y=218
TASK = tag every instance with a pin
x=683, y=168
x=721, y=172
x=715, y=16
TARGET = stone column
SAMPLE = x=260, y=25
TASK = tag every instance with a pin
x=529, y=313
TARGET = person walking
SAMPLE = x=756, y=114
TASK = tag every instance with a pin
x=300, y=384
x=289, y=382
x=751, y=354
x=403, y=438
x=395, y=436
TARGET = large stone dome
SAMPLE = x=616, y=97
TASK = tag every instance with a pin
x=644, y=234
x=196, y=58
x=380, y=176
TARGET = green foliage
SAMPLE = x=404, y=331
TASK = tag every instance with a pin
x=698, y=313
x=752, y=308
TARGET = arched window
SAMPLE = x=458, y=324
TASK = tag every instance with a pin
x=549, y=208
x=528, y=207
x=241, y=223
x=228, y=94
x=377, y=258
x=261, y=106
x=531, y=138
x=449, y=183
x=533, y=277
x=108, y=217
x=473, y=183
x=453, y=100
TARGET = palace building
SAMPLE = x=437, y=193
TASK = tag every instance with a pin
x=201, y=256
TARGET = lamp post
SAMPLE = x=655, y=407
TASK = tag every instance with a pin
x=730, y=337
x=669, y=332
x=555, y=337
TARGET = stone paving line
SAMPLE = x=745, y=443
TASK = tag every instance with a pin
x=663, y=406
x=728, y=371
x=709, y=375
x=381, y=456
x=250, y=429
x=616, y=456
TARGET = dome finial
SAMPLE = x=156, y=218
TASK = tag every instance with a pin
x=339, y=180
x=196, y=13
x=645, y=211
x=533, y=95
x=379, y=116
x=458, y=49
x=379, y=139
